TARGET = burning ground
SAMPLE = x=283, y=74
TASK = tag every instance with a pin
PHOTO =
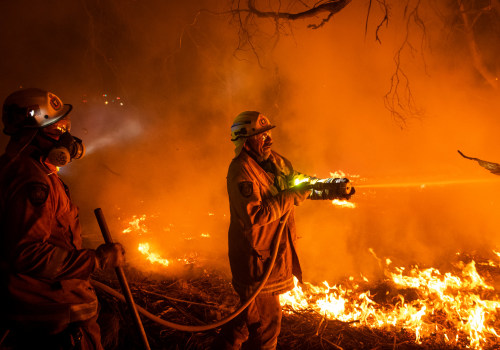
x=407, y=307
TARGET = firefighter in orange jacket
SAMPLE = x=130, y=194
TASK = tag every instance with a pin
x=46, y=300
x=260, y=188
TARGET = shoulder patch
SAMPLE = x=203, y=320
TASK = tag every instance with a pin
x=246, y=188
x=38, y=193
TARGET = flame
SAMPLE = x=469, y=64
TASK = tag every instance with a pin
x=136, y=224
x=338, y=173
x=454, y=307
x=152, y=257
x=458, y=308
x=155, y=258
x=496, y=253
x=343, y=203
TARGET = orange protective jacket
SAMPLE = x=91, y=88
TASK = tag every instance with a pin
x=257, y=200
x=44, y=270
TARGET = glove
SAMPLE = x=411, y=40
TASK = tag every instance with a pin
x=300, y=195
x=110, y=255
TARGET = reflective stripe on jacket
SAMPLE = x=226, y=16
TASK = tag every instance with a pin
x=44, y=270
x=256, y=206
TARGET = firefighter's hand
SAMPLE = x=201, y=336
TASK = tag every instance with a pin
x=300, y=195
x=110, y=255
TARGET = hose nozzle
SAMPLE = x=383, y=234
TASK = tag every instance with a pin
x=333, y=188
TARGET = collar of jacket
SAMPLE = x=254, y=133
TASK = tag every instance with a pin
x=256, y=169
x=37, y=154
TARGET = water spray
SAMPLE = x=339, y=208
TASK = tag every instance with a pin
x=426, y=184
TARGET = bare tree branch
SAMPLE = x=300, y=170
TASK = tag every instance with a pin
x=331, y=6
x=492, y=167
x=495, y=6
x=477, y=58
x=399, y=99
x=322, y=23
x=248, y=29
x=385, y=19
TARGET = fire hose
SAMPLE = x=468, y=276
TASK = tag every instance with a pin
x=186, y=328
x=340, y=188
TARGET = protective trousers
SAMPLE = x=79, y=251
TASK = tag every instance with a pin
x=256, y=328
x=78, y=336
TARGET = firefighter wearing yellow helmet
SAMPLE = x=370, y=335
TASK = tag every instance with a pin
x=248, y=124
x=260, y=185
x=46, y=299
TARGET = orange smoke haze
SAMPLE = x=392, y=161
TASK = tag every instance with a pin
x=160, y=145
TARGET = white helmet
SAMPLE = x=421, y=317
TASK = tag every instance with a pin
x=246, y=124
x=32, y=108
x=249, y=123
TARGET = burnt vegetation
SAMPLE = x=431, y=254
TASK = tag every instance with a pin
x=200, y=296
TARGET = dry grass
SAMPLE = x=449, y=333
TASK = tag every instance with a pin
x=202, y=296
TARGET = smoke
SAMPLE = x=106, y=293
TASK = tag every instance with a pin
x=155, y=87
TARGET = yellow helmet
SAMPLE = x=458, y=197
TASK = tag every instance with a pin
x=246, y=124
x=249, y=123
x=32, y=108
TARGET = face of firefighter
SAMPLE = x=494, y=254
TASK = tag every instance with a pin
x=55, y=130
x=260, y=145
x=60, y=145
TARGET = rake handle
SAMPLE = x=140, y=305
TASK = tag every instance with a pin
x=120, y=274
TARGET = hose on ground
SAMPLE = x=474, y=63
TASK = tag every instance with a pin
x=202, y=328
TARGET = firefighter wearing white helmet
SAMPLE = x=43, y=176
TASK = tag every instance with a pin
x=31, y=113
x=46, y=299
x=248, y=124
x=261, y=190
x=258, y=184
